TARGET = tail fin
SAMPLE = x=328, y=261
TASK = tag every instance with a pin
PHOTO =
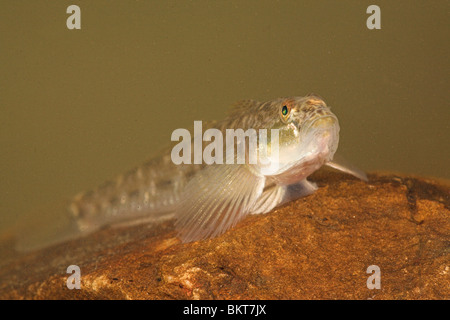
x=43, y=227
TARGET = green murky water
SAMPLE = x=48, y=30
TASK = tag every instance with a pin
x=78, y=107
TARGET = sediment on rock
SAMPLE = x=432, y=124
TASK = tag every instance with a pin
x=318, y=247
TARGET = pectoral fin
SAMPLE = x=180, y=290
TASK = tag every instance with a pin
x=276, y=195
x=271, y=197
x=216, y=199
x=339, y=163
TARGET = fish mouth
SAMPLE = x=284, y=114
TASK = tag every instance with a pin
x=321, y=137
x=314, y=143
x=318, y=142
x=322, y=122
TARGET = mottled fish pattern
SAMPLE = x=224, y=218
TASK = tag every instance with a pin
x=207, y=200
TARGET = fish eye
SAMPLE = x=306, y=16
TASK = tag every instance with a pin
x=285, y=111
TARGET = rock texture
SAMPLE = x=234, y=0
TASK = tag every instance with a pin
x=318, y=247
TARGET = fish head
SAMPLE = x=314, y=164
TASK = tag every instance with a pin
x=308, y=137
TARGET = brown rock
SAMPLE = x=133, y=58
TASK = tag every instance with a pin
x=318, y=247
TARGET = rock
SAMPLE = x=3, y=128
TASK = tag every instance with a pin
x=318, y=247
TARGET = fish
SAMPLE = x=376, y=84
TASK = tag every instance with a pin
x=206, y=200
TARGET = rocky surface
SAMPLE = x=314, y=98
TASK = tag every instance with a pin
x=318, y=247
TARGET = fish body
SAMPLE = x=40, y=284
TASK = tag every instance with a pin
x=207, y=200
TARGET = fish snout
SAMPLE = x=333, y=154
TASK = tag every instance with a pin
x=325, y=121
x=320, y=123
x=322, y=136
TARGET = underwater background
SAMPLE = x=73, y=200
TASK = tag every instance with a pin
x=78, y=107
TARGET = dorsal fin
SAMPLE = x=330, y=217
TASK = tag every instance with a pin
x=243, y=105
x=313, y=95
